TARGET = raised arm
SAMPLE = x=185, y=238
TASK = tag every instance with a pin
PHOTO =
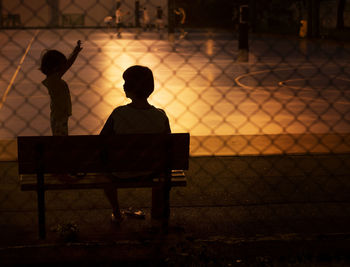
x=71, y=58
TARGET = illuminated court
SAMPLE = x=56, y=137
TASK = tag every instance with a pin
x=198, y=83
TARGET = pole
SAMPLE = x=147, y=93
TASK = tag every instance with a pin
x=313, y=14
x=1, y=14
x=316, y=18
x=137, y=14
x=243, y=36
x=53, y=13
x=252, y=16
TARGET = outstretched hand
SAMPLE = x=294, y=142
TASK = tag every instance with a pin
x=72, y=57
x=78, y=47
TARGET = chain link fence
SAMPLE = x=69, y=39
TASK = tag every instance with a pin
x=269, y=135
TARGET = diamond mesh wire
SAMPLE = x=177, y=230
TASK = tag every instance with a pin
x=269, y=136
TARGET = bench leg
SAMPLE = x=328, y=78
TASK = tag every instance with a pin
x=160, y=204
x=41, y=206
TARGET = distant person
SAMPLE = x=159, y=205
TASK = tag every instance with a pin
x=54, y=65
x=137, y=117
x=119, y=14
x=146, y=19
x=180, y=12
x=108, y=21
x=159, y=18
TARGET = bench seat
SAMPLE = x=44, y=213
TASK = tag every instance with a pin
x=28, y=182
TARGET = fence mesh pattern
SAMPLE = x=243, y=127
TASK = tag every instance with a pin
x=269, y=126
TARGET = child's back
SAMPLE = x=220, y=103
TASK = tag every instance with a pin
x=60, y=105
x=138, y=116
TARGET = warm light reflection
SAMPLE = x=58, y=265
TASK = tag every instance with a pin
x=116, y=58
x=203, y=94
x=204, y=102
x=210, y=47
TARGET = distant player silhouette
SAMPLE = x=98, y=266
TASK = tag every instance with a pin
x=180, y=12
x=119, y=14
x=146, y=20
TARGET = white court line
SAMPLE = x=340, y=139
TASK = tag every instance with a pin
x=238, y=78
x=282, y=83
x=3, y=99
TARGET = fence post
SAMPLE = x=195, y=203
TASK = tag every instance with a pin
x=252, y=15
x=313, y=14
x=53, y=13
x=243, y=36
x=1, y=14
x=137, y=14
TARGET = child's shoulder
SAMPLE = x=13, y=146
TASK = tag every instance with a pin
x=52, y=80
x=129, y=108
x=120, y=109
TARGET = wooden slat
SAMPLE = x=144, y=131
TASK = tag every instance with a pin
x=94, y=153
x=91, y=181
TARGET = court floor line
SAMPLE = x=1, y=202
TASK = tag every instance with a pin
x=4, y=97
x=280, y=83
x=253, y=73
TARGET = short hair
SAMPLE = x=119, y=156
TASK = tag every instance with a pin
x=139, y=80
x=51, y=61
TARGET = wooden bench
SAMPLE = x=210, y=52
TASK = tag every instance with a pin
x=42, y=160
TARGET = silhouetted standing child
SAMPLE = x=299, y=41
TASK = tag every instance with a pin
x=137, y=117
x=54, y=65
x=119, y=15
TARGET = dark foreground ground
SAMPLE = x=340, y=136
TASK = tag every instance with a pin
x=236, y=211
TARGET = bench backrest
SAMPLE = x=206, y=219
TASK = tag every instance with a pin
x=95, y=153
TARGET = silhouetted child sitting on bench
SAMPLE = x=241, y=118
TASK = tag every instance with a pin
x=137, y=117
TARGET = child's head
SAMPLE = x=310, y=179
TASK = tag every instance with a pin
x=52, y=61
x=139, y=82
